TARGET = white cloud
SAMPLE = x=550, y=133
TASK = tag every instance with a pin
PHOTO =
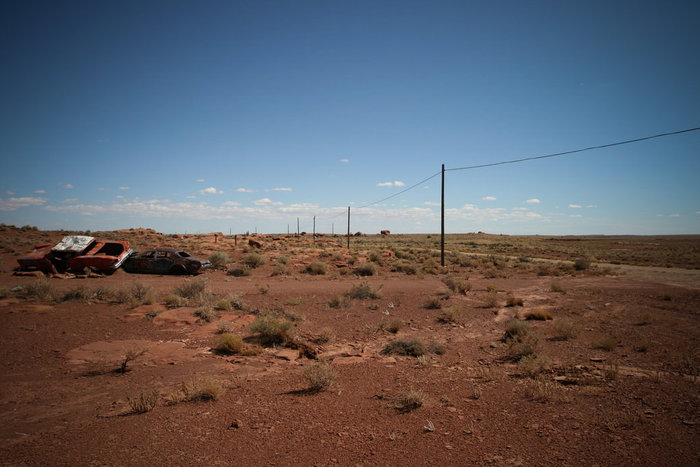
x=344, y=160
x=200, y=180
x=244, y=190
x=191, y=197
x=40, y=192
x=231, y=203
x=67, y=186
x=575, y=215
x=281, y=189
x=431, y=203
x=533, y=201
x=210, y=191
x=12, y=204
x=591, y=206
x=123, y=187
x=474, y=213
x=101, y=189
x=697, y=212
x=9, y=193
x=519, y=209
x=575, y=206
x=121, y=197
x=262, y=201
x=395, y=183
x=426, y=187
x=70, y=200
x=489, y=198
x=675, y=215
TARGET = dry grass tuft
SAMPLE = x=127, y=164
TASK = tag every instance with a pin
x=457, y=285
x=514, y=301
x=135, y=294
x=253, y=260
x=566, y=329
x=318, y=375
x=219, y=259
x=191, y=288
x=340, y=301
x=410, y=400
x=196, y=390
x=316, y=268
x=394, y=325
x=451, y=314
x=229, y=344
x=538, y=315
x=272, y=331
x=144, y=402
x=607, y=343
x=363, y=291
x=413, y=347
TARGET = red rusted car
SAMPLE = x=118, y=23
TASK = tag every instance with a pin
x=76, y=253
x=165, y=261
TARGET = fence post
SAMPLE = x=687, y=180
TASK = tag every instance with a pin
x=348, y=227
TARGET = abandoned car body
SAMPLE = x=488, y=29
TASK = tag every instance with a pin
x=165, y=261
x=76, y=253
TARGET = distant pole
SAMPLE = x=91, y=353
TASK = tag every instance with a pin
x=287, y=229
x=332, y=229
x=297, y=227
x=442, y=220
x=348, y=227
x=314, y=232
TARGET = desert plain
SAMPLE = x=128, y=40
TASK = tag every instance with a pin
x=297, y=350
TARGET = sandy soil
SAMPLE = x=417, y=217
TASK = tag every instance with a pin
x=62, y=401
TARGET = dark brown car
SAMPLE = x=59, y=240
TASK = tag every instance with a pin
x=165, y=261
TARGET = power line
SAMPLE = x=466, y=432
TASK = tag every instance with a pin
x=525, y=159
x=514, y=161
x=400, y=192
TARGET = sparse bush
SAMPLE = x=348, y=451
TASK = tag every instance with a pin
x=413, y=347
x=566, y=329
x=279, y=270
x=325, y=335
x=538, y=315
x=540, y=391
x=283, y=259
x=436, y=348
x=191, y=288
x=394, y=325
x=293, y=301
x=375, y=257
x=411, y=400
x=318, y=375
x=78, y=294
x=316, y=268
x=514, y=301
x=175, y=301
x=557, y=287
x=129, y=355
x=363, y=291
x=582, y=264
x=144, y=402
x=367, y=269
x=272, y=331
x=239, y=271
x=457, y=285
x=206, y=389
x=206, y=314
x=229, y=344
x=607, y=343
x=434, y=303
x=521, y=341
x=253, y=260
x=532, y=365
x=406, y=268
x=451, y=314
x=225, y=328
x=42, y=289
x=135, y=294
x=340, y=301
x=219, y=259
x=491, y=300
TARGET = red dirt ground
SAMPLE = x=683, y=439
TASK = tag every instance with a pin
x=62, y=403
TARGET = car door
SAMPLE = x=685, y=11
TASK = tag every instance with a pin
x=162, y=264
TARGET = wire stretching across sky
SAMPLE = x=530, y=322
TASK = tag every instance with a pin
x=525, y=159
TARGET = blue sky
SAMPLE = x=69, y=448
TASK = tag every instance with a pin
x=244, y=115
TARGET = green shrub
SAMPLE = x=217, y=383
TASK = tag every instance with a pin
x=229, y=344
x=413, y=347
x=253, y=260
x=175, y=301
x=272, y=331
x=219, y=259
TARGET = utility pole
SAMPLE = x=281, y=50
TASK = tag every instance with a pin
x=314, y=232
x=348, y=227
x=442, y=220
x=297, y=227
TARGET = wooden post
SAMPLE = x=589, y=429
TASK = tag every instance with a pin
x=313, y=235
x=348, y=227
x=442, y=220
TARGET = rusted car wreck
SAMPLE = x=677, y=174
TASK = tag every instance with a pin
x=165, y=261
x=76, y=254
